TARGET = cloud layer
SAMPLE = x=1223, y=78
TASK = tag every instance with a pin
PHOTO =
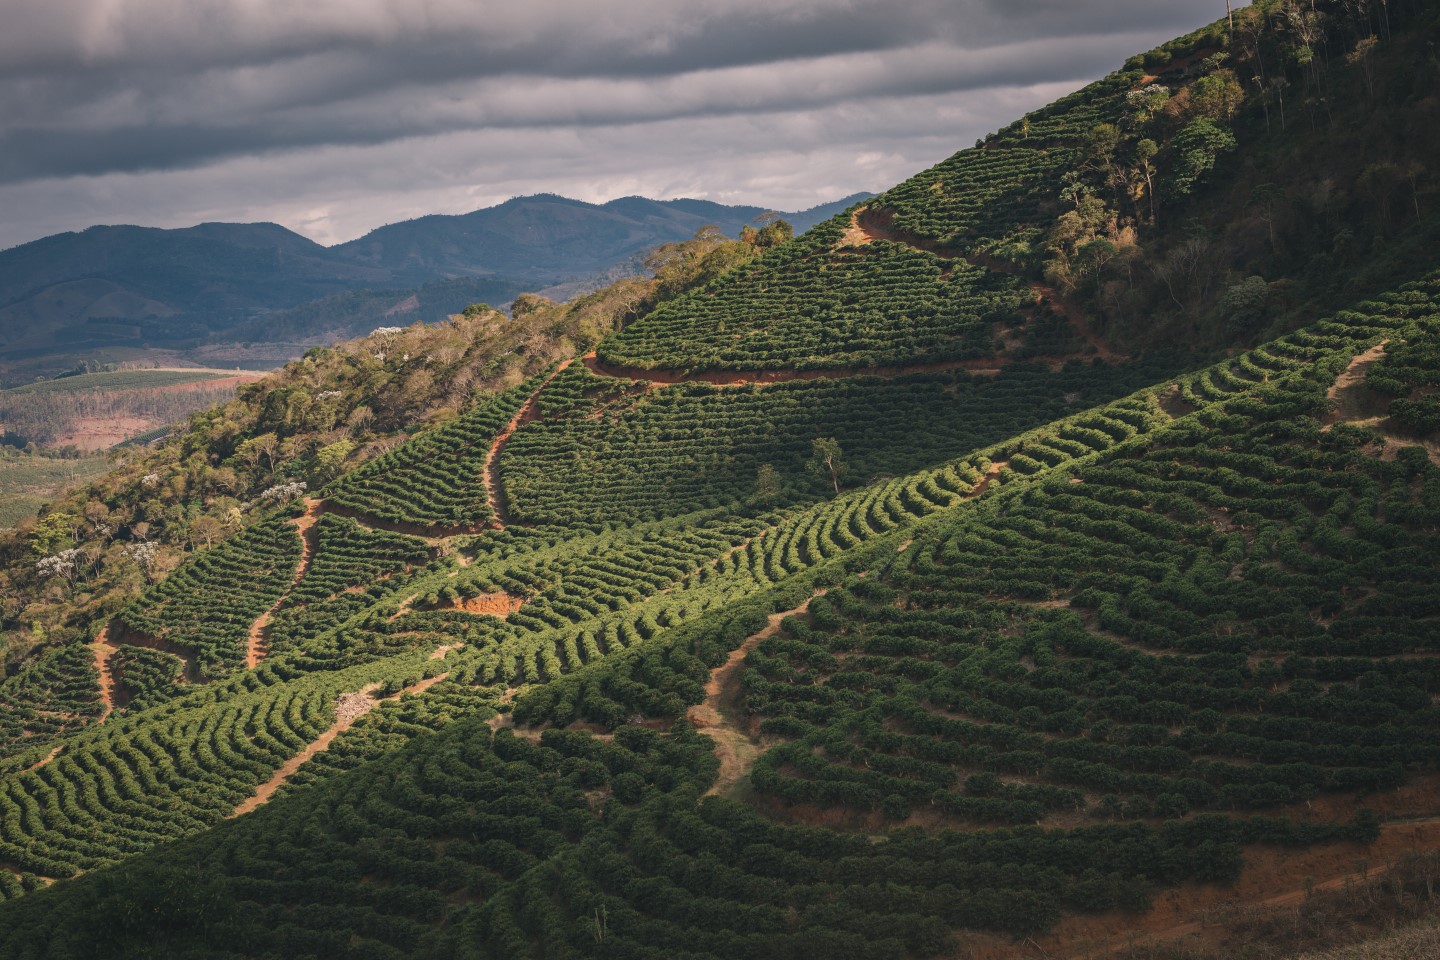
x=334, y=116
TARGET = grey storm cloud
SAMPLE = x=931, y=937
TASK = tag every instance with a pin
x=95, y=89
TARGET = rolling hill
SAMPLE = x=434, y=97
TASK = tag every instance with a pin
x=110, y=292
x=1036, y=559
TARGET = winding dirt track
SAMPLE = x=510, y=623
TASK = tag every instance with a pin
x=46, y=759
x=257, y=646
x=528, y=412
x=104, y=650
x=718, y=716
x=1351, y=401
x=349, y=708
x=1274, y=880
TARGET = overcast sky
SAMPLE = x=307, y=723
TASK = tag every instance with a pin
x=333, y=117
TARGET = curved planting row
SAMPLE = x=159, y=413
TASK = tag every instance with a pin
x=603, y=452
x=817, y=303
x=207, y=606
x=52, y=695
x=348, y=555
x=980, y=198
x=636, y=682
x=435, y=482
x=1225, y=620
x=813, y=304
x=151, y=777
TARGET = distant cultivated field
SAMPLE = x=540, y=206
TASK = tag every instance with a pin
x=28, y=481
x=95, y=411
x=128, y=380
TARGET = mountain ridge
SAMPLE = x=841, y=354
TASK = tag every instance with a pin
x=113, y=290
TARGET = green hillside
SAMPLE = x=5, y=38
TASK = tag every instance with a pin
x=885, y=592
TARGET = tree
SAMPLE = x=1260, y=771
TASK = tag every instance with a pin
x=53, y=534
x=330, y=459
x=1243, y=305
x=826, y=459
x=773, y=232
x=1363, y=55
x=1198, y=147
x=265, y=446
x=1217, y=96
x=1147, y=101
x=1145, y=152
x=768, y=486
x=205, y=530
x=1268, y=197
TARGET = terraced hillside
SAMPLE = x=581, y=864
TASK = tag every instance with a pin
x=868, y=601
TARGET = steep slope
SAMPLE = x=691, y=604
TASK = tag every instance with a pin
x=1068, y=645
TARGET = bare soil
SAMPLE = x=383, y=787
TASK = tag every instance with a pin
x=101, y=433
x=104, y=650
x=1351, y=401
x=720, y=718
x=46, y=759
x=527, y=413
x=1355, y=403
x=349, y=707
x=491, y=604
x=257, y=643
x=1273, y=878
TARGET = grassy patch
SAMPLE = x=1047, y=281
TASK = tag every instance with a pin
x=28, y=481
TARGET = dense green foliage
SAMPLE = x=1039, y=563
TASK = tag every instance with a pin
x=468, y=846
x=148, y=677
x=1225, y=643
x=438, y=478
x=808, y=305
x=55, y=693
x=206, y=607
x=1073, y=631
x=601, y=453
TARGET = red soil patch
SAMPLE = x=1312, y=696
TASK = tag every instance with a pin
x=257, y=644
x=349, y=707
x=1273, y=878
x=491, y=604
x=103, y=652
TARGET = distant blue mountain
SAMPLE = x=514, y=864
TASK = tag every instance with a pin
x=111, y=289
